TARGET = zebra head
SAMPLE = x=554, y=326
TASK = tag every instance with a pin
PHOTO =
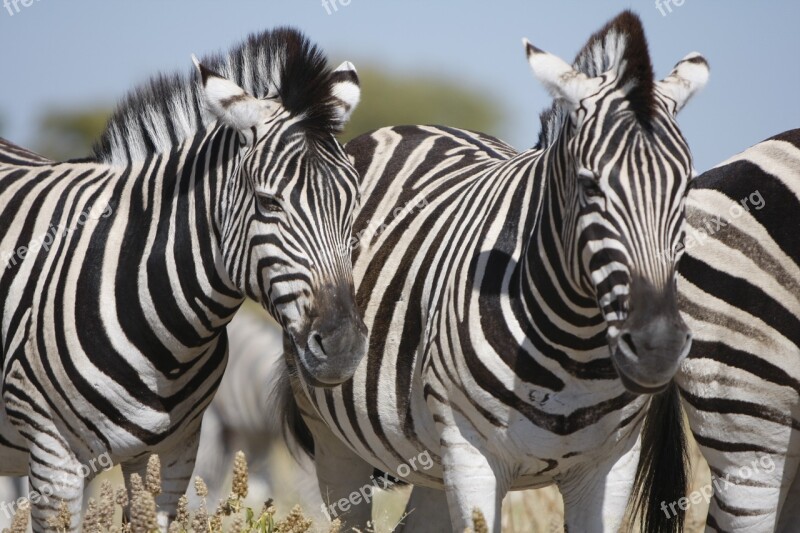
x=624, y=170
x=289, y=209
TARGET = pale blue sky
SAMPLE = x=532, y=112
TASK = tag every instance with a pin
x=86, y=52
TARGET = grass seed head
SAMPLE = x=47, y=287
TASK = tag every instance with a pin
x=121, y=497
x=294, y=522
x=19, y=524
x=143, y=513
x=216, y=522
x=182, y=516
x=479, y=521
x=136, y=484
x=91, y=519
x=240, y=475
x=200, y=487
x=62, y=521
x=200, y=522
x=238, y=524
x=152, y=479
x=106, y=507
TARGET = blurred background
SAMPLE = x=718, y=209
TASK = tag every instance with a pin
x=65, y=64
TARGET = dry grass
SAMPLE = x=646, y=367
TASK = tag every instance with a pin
x=104, y=513
x=539, y=510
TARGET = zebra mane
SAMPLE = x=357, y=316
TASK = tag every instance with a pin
x=167, y=110
x=621, y=45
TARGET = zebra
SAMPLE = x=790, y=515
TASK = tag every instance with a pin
x=519, y=313
x=240, y=417
x=247, y=418
x=739, y=292
x=121, y=270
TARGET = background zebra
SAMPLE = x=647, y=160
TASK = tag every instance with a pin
x=739, y=291
x=246, y=415
x=122, y=270
x=494, y=285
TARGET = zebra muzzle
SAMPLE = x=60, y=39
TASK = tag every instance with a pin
x=647, y=357
x=335, y=342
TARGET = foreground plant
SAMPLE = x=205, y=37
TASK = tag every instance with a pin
x=232, y=515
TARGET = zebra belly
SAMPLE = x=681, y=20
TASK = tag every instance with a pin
x=409, y=447
x=97, y=416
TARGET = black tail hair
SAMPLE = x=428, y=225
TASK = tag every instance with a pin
x=662, y=473
x=296, y=433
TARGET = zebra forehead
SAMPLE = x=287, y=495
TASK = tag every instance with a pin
x=168, y=110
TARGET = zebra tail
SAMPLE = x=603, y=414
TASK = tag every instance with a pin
x=296, y=433
x=662, y=474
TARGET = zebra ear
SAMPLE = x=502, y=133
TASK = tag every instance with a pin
x=346, y=89
x=559, y=78
x=687, y=78
x=228, y=102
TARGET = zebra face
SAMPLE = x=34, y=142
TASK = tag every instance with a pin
x=626, y=173
x=289, y=214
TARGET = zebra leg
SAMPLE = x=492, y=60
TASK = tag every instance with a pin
x=345, y=482
x=596, y=493
x=214, y=456
x=744, y=427
x=749, y=490
x=789, y=516
x=177, y=465
x=426, y=512
x=472, y=479
x=56, y=477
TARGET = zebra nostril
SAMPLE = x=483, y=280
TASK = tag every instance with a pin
x=318, y=340
x=628, y=339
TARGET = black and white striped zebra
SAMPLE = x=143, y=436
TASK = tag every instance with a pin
x=121, y=270
x=739, y=292
x=518, y=304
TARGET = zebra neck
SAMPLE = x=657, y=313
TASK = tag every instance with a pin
x=185, y=257
x=549, y=279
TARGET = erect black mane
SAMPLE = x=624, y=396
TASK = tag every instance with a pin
x=621, y=45
x=168, y=110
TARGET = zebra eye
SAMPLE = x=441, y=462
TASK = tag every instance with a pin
x=588, y=183
x=269, y=204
